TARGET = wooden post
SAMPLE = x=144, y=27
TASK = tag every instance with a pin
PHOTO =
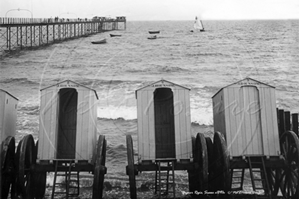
x=281, y=123
x=62, y=31
x=21, y=37
x=17, y=35
x=287, y=121
x=9, y=38
x=78, y=29
x=295, y=123
x=47, y=34
x=31, y=35
x=53, y=33
x=26, y=29
x=59, y=32
x=40, y=35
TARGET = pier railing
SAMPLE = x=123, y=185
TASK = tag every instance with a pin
x=14, y=21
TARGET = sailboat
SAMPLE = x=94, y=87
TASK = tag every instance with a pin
x=198, y=25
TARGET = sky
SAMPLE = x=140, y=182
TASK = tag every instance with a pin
x=153, y=9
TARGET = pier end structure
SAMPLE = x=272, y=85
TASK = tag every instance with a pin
x=24, y=33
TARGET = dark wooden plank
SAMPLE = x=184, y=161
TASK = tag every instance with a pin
x=281, y=124
x=287, y=121
x=295, y=123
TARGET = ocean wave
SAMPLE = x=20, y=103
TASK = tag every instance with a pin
x=92, y=83
x=116, y=154
x=114, y=112
x=169, y=69
x=30, y=110
x=23, y=81
x=154, y=69
x=206, y=54
x=175, y=44
x=211, y=89
x=119, y=119
x=201, y=116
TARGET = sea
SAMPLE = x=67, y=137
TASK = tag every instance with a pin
x=228, y=51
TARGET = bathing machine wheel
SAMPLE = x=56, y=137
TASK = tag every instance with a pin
x=39, y=179
x=25, y=160
x=210, y=150
x=289, y=181
x=130, y=168
x=192, y=175
x=8, y=167
x=201, y=158
x=221, y=175
x=287, y=178
x=99, y=169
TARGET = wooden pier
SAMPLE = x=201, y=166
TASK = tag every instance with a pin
x=24, y=33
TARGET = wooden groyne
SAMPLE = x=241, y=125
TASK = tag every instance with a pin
x=24, y=33
x=287, y=121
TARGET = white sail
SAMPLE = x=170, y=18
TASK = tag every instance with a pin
x=198, y=24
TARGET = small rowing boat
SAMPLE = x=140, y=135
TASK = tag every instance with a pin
x=152, y=37
x=154, y=31
x=102, y=41
x=115, y=35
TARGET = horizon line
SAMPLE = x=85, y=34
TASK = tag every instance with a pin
x=212, y=19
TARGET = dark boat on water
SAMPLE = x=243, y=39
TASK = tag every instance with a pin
x=115, y=35
x=102, y=41
x=154, y=31
x=152, y=37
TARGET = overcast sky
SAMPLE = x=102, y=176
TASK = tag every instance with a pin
x=153, y=9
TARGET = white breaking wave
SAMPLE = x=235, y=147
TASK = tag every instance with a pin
x=200, y=115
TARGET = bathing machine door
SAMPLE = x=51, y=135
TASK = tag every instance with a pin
x=164, y=123
x=67, y=121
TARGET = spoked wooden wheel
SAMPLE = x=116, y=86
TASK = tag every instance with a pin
x=130, y=167
x=201, y=158
x=210, y=151
x=192, y=174
x=221, y=179
x=8, y=167
x=289, y=177
x=100, y=169
x=273, y=175
x=39, y=179
x=25, y=159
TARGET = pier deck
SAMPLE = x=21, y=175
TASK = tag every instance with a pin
x=24, y=33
